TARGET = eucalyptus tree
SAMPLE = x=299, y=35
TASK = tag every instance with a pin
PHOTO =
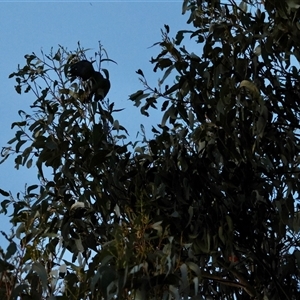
x=207, y=208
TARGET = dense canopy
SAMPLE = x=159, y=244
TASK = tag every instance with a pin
x=206, y=208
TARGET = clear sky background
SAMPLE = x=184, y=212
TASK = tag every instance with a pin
x=126, y=29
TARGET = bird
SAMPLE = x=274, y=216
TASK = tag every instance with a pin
x=99, y=86
x=83, y=69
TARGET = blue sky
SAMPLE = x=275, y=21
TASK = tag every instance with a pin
x=126, y=29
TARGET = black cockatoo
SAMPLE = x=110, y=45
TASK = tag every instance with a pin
x=98, y=84
x=83, y=69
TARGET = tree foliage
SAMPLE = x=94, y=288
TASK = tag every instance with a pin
x=207, y=208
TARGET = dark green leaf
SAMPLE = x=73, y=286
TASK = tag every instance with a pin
x=11, y=250
x=4, y=193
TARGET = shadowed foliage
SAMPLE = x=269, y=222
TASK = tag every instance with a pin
x=207, y=208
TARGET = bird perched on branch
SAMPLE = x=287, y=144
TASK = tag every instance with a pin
x=98, y=84
x=83, y=69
